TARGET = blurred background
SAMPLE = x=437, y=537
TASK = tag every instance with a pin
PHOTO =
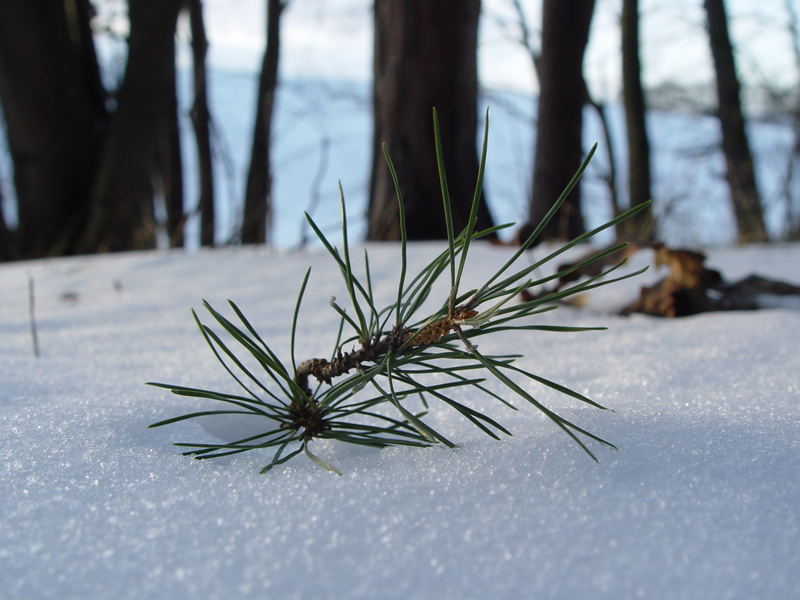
x=186, y=123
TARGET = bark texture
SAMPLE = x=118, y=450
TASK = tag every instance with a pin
x=170, y=165
x=201, y=122
x=258, y=192
x=741, y=178
x=565, y=33
x=55, y=114
x=639, y=227
x=6, y=242
x=425, y=56
x=122, y=215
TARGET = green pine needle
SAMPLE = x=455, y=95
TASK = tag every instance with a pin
x=360, y=394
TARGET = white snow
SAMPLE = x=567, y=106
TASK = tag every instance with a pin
x=702, y=500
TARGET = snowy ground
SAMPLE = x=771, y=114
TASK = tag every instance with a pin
x=702, y=500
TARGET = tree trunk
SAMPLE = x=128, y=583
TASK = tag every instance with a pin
x=6, y=244
x=600, y=109
x=640, y=227
x=738, y=158
x=792, y=203
x=170, y=165
x=55, y=114
x=201, y=121
x=425, y=56
x=122, y=215
x=258, y=194
x=565, y=33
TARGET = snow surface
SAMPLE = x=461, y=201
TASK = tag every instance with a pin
x=702, y=500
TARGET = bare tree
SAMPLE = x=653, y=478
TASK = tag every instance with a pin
x=738, y=158
x=565, y=33
x=121, y=216
x=640, y=226
x=55, y=114
x=792, y=206
x=526, y=35
x=6, y=244
x=258, y=192
x=170, y=164
x=425, y=56
x=201, y=121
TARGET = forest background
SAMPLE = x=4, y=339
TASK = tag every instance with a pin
x=211, y=123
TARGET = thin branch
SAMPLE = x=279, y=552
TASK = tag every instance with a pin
x=32, y=317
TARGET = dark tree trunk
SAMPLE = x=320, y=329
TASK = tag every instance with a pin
x=792, y=202
x=738, y=158
x=6, y=244
x=641, y=226
x=170, y=165
x=55, y=116
x=565, y=33
x=122, y=200
x=201, y=121
x=425, y=56
x=610, y=178
x=258, y=193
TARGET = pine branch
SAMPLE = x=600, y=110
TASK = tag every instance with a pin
x=393, y=362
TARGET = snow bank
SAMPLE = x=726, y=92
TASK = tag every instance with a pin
x=702, y=500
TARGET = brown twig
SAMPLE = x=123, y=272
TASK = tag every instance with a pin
x=32, y=318
x=400, y=340
x=324, y=370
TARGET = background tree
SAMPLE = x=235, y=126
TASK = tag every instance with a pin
x=792, y=204
x=526, y=39
x=565, y=33
x=738, y=158
x=641, y=225
x=425, y=55
x=121, y=213
x=258, y=192
x=84, y=175
x=169, y=162
x=55, y=113
x=201, y=122
x=6, y=245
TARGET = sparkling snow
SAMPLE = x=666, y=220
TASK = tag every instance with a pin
x=702, y=500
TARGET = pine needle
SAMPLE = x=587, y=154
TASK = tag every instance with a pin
x=364, y=392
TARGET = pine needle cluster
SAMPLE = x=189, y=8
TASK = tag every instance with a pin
x=387, y=357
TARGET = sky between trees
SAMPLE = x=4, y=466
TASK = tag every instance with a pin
x=674, y=43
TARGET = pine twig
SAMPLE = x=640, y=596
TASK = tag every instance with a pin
x=362, y=393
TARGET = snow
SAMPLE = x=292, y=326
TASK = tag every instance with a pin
x=702, y=499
